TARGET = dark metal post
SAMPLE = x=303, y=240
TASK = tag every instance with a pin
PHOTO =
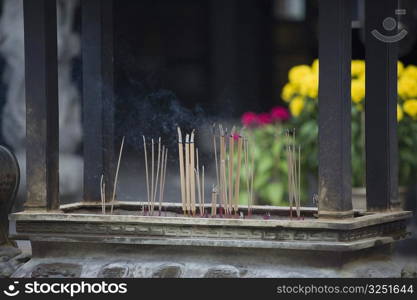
x=381, y=105
x=42, y=129
x=335, y=109
x=98, y=98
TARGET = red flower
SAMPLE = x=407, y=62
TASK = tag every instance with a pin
x=280, y=114
x=249, y=119
x=264, y=119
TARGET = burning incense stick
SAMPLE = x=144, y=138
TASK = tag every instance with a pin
x=192, y=167
x=158, y=166
x=231, y=158
x=117, y=175
x=213, y=201
x=103, y=194
x=152, y=173
x=252, y=171
x=202, y=188
x=246, y=161
x=182, y=176
x=165, y=173
x=147, y=172
x=162, y=176
x=222, y=167
x=199, y=189
x=197, y=175
x=187, y=173
x=299, y=182
x=223, y=184
x=215, y=153
x=237, y=182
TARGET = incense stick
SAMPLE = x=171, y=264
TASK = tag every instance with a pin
x=199, y=189
x=187, y=173
x=197, y=175
x=182, y=178
x=192, y=166
x=299, y=181
x=215, y=153
x=161, y=180
x=252, y=171
x=246, y=159
x=222, y=179
x=117, y=174
x=158, y=166
x=102, y=194
x=152, y=174
x=147, y=173
x=202, y=188
x=165, y=173
x=237, y=182
x=231, y=158
x=213, y=201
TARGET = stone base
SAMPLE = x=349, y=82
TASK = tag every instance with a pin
x=68, y=260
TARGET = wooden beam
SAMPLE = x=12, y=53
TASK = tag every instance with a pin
x=42, y=129
x=98, y=97
x=335, y=109
x=381, y=107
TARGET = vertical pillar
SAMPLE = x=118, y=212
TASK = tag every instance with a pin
x=381, y=104
x=42, y=129
x=98, y=96
x=335, y=188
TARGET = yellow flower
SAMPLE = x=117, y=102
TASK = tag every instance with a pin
x=358, y=90
x=407, y=86
x=288, y=92
x=400, y=68
x=315, y=66
x=410, y=108
x=410, y=71
x=297, y=74
x=400, y=113
x=358, y=68
x=297, y=106
x=310, y=86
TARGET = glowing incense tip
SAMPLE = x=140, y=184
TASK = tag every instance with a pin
x=179, y=135
x=192, y=136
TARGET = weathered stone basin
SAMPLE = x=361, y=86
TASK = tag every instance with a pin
x=129, y=244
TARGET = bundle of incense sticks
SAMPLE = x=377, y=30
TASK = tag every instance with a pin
x=116, y=176
x=189, y=172
x=294, y=174
x=228, y=169
x=158, y=179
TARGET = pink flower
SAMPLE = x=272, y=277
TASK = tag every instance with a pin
x=249, y=119
x=236, y=136
x=280, y=114
x=264, y=119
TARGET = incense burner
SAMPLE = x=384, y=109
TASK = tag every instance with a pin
x=81, y=221
x=80, y=230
